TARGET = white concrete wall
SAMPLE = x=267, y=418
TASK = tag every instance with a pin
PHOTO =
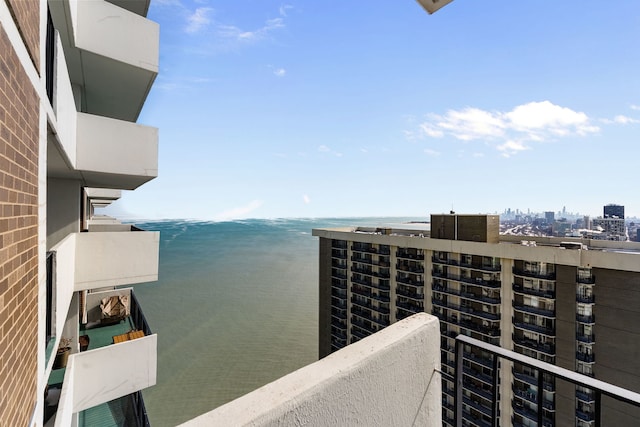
x=116, y=258
x=64, y=106
x=64, y=415
x=114, y=371
x=64, y=282
x=390, y=378
x=116, y=146
x=123, y=36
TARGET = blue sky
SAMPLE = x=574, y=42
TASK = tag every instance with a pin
x=351, y=108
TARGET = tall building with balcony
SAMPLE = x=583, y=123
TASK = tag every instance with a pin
x=535, y=297
x=74, y=76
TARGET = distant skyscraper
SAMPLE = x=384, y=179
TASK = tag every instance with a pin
x=549, y=217
x=614, y=211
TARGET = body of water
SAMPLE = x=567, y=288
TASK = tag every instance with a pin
x=235, y=307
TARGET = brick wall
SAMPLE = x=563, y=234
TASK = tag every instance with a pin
x=19, y=109
x=26, y=14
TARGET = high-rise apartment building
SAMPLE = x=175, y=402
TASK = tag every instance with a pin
x=569, y=302
x=74, y=76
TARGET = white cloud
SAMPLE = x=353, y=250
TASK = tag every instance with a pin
x=635, y=107
x=199, y=19
x=431, y=131
x=239, y=212
x=325, y=149
x=280, y=72
x=235, y=33
x=306, y=199
x=510, y=148
x=507, y=131
x=624, y=120
x=431, y=152
x=470, y=124
x=284, y=8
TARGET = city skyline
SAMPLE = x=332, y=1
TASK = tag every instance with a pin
x=271, y=109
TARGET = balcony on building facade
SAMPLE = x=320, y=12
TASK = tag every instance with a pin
x=410, y=305
x=586, y=299
x=585, y=357
x=367, y=315
x=382, y=273
x=536, y=274
x=367, y=292
x=542, y=347
x=339, y=253
x=532, y=380
x=409, y=293
x=115, y=153
x=113, y=258
x=338, y=273
x=443, y=258
x=586, y=280
x=587, y=319
x=408, y=280
x=411, y=254
x=410, y=267
x=381, y=284
x=586, y=338
x=338, y=263
x=534, y=310
x=585, y=395
x=543, y=293
x=338, y=302
x=531, y=396
x=339, y=244
x=370, y=249
x=118, y=357
x=339, y=293
x=111, y=52
x=539, y=329
x=476, y=281
x=466, y=294
x=525, y=411
x=367, y=259
x=482, y=267
x=474, y=418
x=339, y=332
x=340, y=284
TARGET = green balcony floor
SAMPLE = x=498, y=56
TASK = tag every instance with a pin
x=103, y=336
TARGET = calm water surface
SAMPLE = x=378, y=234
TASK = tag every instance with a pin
x=235, y=307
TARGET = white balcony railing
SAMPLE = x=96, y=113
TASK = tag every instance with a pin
x=115, y=258
x=115, y=153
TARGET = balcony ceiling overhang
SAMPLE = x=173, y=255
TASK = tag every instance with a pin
x=139, y=7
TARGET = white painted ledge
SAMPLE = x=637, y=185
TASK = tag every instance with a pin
x=390, y=379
